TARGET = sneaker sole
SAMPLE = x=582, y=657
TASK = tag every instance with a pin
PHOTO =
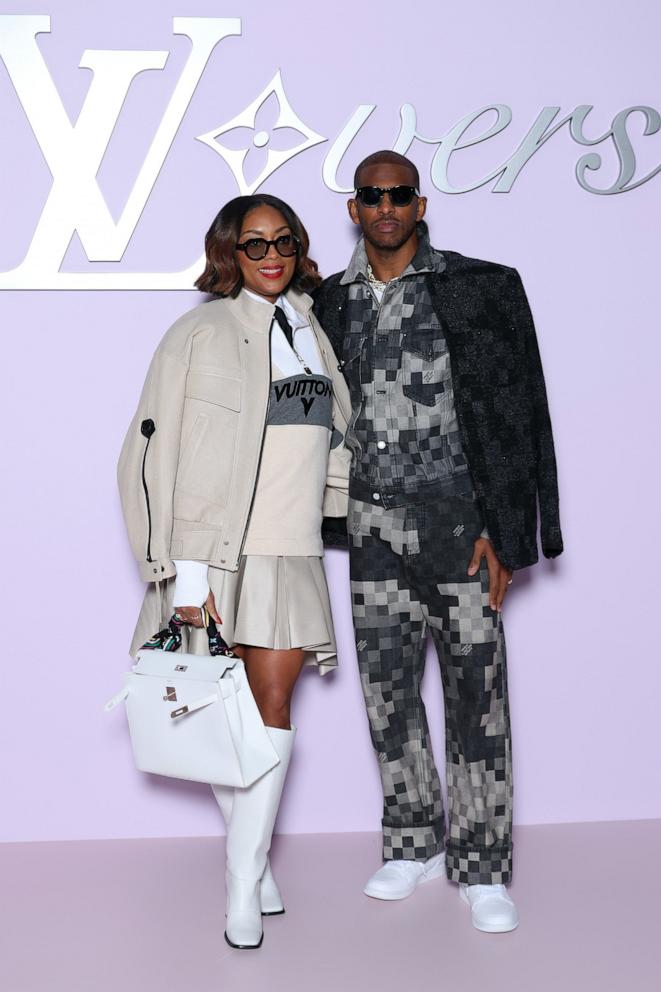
x=495, y=929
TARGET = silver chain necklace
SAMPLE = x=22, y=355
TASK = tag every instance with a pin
x=371, y=278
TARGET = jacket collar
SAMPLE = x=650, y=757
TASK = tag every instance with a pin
x=258, y=315
x=426, y=259
x=301, y=302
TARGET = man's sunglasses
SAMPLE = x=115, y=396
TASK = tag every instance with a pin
x=400, y=196
x=257, y=248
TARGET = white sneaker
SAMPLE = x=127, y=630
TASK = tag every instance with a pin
x=398, y=879
x=492, y=910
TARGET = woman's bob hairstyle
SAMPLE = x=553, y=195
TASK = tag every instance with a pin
x=222, y=276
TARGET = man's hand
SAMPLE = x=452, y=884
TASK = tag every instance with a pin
x=499, y=576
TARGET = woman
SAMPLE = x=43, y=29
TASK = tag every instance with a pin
x=234, y=456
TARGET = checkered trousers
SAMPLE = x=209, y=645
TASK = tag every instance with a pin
x=408, y=574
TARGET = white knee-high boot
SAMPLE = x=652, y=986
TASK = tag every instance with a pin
x=269, y=893
x=248, y=841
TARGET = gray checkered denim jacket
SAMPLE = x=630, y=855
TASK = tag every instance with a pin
x=403, y=434
x=499, y=392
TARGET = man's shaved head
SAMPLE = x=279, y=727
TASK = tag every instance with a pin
x=387, y=157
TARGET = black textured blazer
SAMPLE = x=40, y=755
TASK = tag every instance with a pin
x=500, y=398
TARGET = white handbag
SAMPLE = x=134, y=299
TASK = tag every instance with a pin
x=193, y=716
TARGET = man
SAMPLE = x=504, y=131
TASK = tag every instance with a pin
x=452, y=448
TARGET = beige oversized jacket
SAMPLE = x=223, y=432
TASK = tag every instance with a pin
x=189, y=463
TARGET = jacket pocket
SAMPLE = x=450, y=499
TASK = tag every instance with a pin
x=425, y=371
x=208, y=447
x=210, y=387
x=207, y=462
x=425, y=381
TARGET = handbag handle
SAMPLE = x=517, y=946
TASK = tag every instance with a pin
x=169, y=639
x=217, y=643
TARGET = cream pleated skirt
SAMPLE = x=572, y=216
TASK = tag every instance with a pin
x=269, y=602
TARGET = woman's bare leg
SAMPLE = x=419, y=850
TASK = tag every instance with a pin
x=272, y=676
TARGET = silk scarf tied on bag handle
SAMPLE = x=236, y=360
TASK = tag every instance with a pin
x=194, y=717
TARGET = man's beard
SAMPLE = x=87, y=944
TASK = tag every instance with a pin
x=389, y=245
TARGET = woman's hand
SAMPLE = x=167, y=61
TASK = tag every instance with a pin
x=194, y=615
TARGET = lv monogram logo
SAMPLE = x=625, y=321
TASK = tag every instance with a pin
x=74, y=152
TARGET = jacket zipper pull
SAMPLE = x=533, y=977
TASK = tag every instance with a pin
x=147, y=429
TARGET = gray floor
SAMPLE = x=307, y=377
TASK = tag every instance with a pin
x=148, y=915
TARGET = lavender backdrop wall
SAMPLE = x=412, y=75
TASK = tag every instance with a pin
x=582, y=632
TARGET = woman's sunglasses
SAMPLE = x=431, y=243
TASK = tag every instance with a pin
x=400, y=196
x=257, y=248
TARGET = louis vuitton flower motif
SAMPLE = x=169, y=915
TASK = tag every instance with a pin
x=261, y=138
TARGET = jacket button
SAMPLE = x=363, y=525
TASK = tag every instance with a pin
x=222, y=561
x=246, y=341
x=155, y=571
x=226, y=543
x=376, y=496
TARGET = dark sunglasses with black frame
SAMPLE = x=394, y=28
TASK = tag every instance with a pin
x=400, y=196
x=257, y=248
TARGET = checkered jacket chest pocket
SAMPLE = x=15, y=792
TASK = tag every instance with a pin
x=425, y=371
